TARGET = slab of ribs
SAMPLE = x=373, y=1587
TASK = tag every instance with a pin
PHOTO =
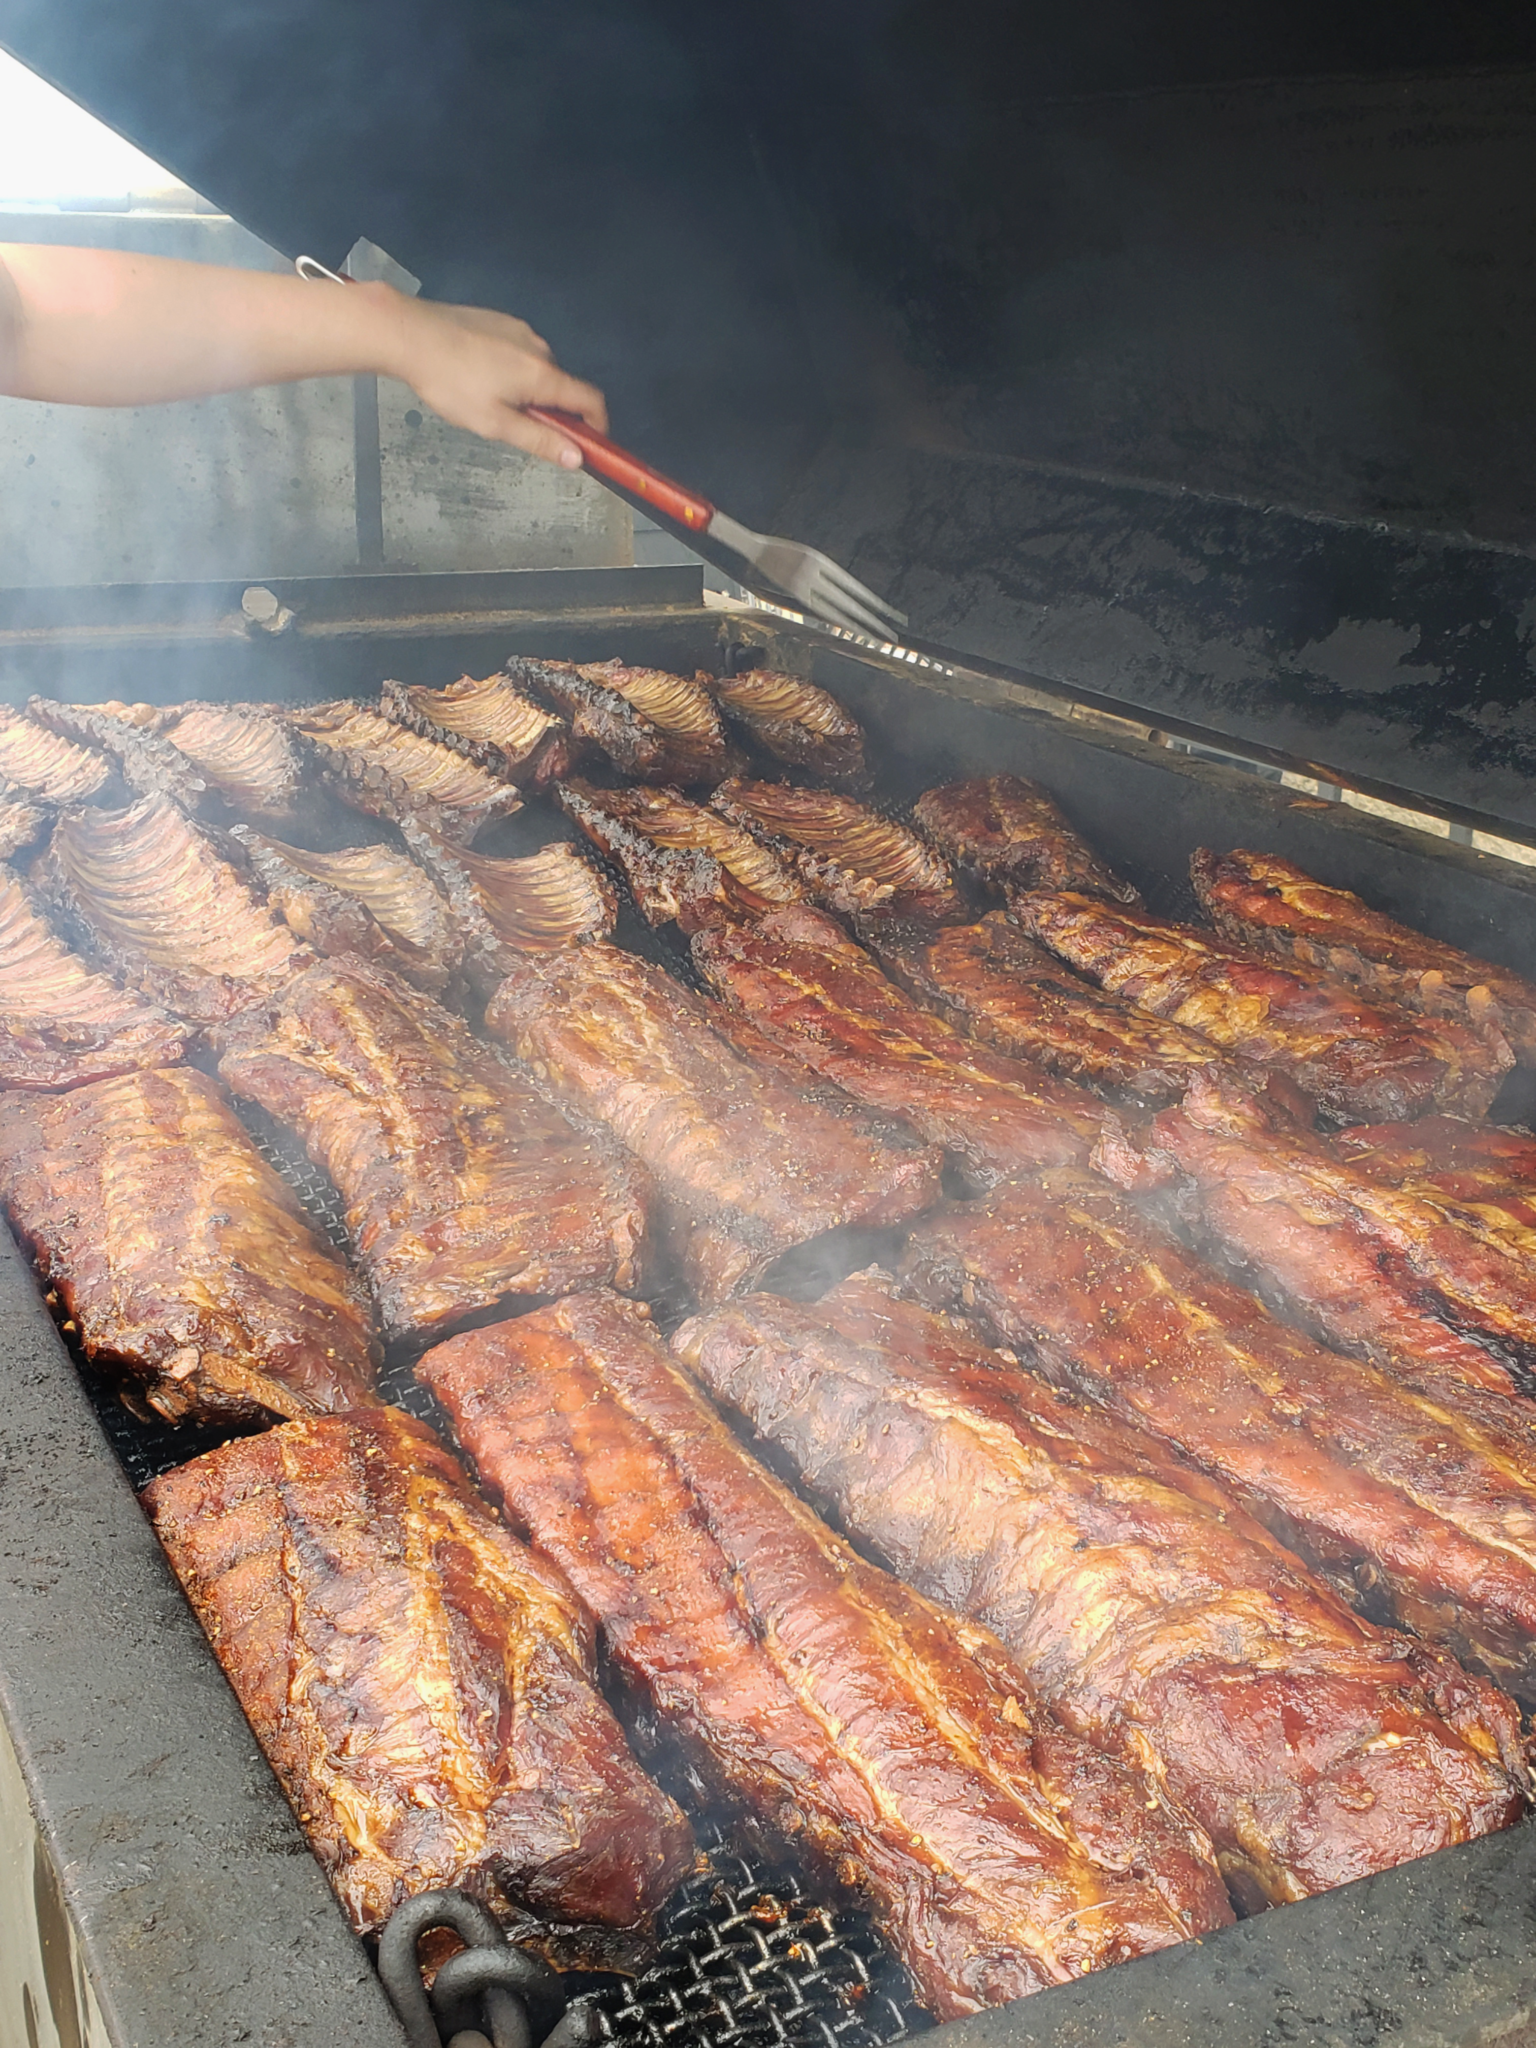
x=893, y=1746
x=423, y=1684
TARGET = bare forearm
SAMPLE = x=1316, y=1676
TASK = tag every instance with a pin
x=100, y=327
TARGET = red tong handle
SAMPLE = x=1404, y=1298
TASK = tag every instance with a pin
x=617, y=466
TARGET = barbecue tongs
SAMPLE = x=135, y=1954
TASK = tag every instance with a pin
x=803, y=574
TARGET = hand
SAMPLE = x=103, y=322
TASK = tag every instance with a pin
x=478, y=370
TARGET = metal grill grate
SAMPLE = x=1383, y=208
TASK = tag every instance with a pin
x=750, y=1962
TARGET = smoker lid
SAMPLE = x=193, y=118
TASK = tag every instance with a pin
x=788, y=241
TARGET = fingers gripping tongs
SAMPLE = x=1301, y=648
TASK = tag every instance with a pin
x=808, y=578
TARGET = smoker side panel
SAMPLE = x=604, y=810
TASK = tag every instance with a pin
x=199, y=1913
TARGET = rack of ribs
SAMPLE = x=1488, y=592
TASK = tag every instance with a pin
x=849, y=857
x=368, y=900
x=489, y=720
x=463, y=1186
x=1145, y=1608
x=388, y=771
x=749, y=1168
x=48, y=767
x=1486, y=1164
x=61, y=1023
x=1425, y=1503
x=1440, y=1290
x=423, y=1686
x=1279, y=909
x=250, y=757
x=797, y=976
x=795, y=723
x=158, y=904
x=682, y=861
x=894, y=1747
x=1004, y=990
x=1011, y=834
x=653, y=725
x=180, y=1261
x=508, y=908
x=129, y=736
x=1359, y=1061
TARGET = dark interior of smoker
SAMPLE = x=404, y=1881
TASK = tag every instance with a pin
x=1174, y=355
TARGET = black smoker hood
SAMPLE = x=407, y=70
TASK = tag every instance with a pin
x=1180, y=352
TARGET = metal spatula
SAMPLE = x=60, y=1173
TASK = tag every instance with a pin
x=807, y=577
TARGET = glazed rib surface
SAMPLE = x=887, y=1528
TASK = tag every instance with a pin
x=682, y=861
x=1004, y=990
x=489, y=720
x=421, y=1683
x=748, y=1167
x=1486, y=1164
x=796, y=723
x=250, y=757
x=1431, y=1500
x=183, y=1262
x=1440, y=1288
x=388, y=771
x=61, y=1023
x=651, y=724
x=48, y=766
x=1144, y=1607
x=368, y=900
x=849, y=857
x=506, y=909
x=1360, y=1061
x=161, y=906
x=894, y=1746
x=462, y=1185
x=797, y=976
x=1012, y=834
x=1277, y=907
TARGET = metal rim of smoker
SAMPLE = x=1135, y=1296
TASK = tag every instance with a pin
x=199, y=1913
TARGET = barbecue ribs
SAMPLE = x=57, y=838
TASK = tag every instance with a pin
x=60, y=1022
x=388, y=771
x=1144, y=1607
x=182, y=1262
x=1359, y=1061
x=1003, y=990
x=462, y=1186
x=160, y=905
x=797, y=976
x=1427, y=1503
x=508, y=908
x=748, y=1167
x=422, y=1685
x=1011, y=834
x=367, y=900
x=1439, y=1289
x=656, y=726
x=797, y=724
x=681, y=860
x=1272, y=904
x=247, y=754
x=849, y=857
x=893, y=1746
x=490, y=721
x=146, y=763
x=1485, y=1164
x=47, y=766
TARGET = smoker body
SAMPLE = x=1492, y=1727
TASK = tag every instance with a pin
x=195, y=1909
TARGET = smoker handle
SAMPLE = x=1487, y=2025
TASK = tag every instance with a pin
x=616, y=465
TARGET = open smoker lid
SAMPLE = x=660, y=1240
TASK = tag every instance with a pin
x=1219, y=399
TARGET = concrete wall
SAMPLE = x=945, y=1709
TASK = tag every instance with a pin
x=261, y=483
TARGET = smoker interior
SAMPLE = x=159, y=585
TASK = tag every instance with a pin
x=203, y=1911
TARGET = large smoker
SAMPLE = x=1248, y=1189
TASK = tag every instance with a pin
x=1225, y=621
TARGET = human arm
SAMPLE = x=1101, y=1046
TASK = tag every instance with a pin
x=104, y=327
